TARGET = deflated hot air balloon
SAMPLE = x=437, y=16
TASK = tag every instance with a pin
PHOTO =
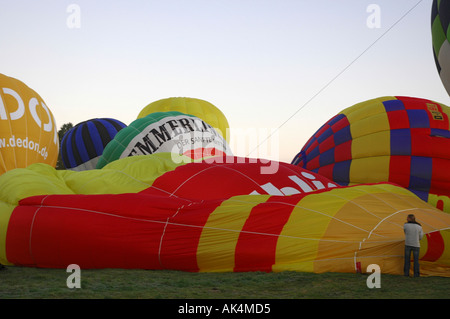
x=397, y=139
x=440, y=21
x=82, y=145
x=172, y=132
x=220, y=178
x=199, y=108
x=130, y=214
x=28, y=132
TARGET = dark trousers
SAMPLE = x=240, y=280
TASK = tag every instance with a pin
x=415, y=251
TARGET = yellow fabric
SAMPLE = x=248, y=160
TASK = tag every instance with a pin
x=376, y=144
x=375, y=124
x=28, y=132
x=366, y=109
x=445, y=258
x=434, y=199
x=220, y=235
x=379, y=172
x=6, y=211
x=297, y=247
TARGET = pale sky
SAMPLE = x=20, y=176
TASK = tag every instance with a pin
x=258, y=61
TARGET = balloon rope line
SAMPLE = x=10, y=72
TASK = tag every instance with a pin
x=164, y=231
x=422, y=221
x=376, y=226
x=337, y=76
x=82, y=210
x=382, y=220
x=211, y=166
x=160, y=243
x=364, y=209
x=31, y=228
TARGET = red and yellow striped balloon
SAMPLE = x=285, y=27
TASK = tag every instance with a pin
x=155, y=220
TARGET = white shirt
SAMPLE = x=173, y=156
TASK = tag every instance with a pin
x=413, y=234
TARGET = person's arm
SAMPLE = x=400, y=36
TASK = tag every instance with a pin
x=420, y=233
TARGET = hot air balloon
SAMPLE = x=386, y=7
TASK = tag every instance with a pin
x=172, y=132
x=130, y=215
x=28, y=132
x=402, y=140
x=205, y=180
x=440, y=20
x=82, y=145
x=199, y=108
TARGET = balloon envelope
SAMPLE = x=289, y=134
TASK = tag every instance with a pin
x=391, y=139
x=28, y=132
x=219, y=178
x=199, y=108
x=172, y=132
x=130, y=215
x=440, y=20
x=82, y=145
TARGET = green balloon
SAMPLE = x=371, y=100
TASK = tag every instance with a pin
x=172, y=132
x=440, y=20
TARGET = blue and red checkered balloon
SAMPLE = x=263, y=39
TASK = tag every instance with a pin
x=402, y=140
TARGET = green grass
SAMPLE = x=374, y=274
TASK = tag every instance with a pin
x=17, y=282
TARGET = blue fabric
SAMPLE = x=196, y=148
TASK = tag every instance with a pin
x=440, y=132
x=96, y=138
x=314, y=153
x=86, y=140
x=401, y=142
x=328, y=132
x=342, y=136
x=418, y=119
x=326, y=158
x=69, y=151
x=81, y=147
x=421, y=173
x=341, y=172
x=112, y=131
x=393, y=105
x=336, y=119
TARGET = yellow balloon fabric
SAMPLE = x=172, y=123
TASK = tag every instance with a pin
x=28, y=132
x=199, y=108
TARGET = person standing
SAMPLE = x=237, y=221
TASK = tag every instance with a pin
x=413, y=235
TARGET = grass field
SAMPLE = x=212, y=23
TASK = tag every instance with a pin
x=17, y=282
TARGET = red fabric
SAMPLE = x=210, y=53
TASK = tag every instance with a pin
x=343, y=152
x=327, y=144
x=313, y=163
x=435, y=247
x=327, y=171
x=400, y=170
x=339, y=125
x=93, y=231
x=257, y=252
x=421, y=142
x=398, y=119
x=221, y=181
